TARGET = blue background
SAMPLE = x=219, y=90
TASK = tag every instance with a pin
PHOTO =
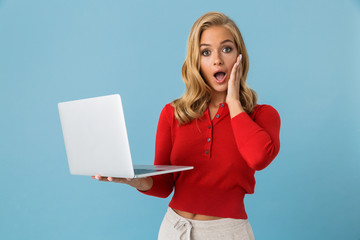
x=304, y=60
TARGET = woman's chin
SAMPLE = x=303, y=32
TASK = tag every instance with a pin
x=220, y=89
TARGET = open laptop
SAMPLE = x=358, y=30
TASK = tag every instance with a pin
x=96, y=140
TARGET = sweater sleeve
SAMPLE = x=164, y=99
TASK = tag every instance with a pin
x=162, y=184
x=258, y=140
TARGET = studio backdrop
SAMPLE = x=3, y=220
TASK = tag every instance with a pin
x=304, y=61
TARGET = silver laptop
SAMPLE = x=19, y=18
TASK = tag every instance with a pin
x=96, y=140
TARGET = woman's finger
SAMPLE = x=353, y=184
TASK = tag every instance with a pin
x=116, y=180
x=233, y=72
x=130, y=181
x=239, y=70
x=100, y=178
x=103, y=179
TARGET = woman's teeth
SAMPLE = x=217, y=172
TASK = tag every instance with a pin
x=220, y=76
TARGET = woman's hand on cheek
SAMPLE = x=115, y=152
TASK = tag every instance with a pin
x=233, y=91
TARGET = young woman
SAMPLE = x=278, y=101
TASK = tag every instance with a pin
x=217, y=127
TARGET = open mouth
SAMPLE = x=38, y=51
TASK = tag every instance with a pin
x=220, y=76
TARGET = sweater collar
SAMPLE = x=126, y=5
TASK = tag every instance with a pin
x=222, y=112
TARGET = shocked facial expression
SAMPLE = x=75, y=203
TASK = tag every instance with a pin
x=217, y=57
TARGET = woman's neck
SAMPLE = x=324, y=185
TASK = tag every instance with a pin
x=217, y=98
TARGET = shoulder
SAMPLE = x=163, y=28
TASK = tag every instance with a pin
x=169, y=109
x=168, y=112
x=264, y=110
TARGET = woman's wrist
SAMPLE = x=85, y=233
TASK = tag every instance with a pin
x=235, y=107
x=145, y=184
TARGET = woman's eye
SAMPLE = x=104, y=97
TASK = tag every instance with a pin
x=205, y=53
x=227, y=49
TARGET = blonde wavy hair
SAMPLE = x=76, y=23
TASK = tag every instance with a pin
x=193, y=103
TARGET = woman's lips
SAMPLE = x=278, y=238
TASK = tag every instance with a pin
x=220, y=77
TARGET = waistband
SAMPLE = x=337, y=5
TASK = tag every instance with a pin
x=187, y=225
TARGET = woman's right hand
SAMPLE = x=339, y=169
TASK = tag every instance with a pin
x=142, y=184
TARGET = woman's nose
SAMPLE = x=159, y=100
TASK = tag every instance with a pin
x=217, y=59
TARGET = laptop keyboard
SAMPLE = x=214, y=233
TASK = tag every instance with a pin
x=143, y=171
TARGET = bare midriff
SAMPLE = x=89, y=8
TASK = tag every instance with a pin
x=194, y=216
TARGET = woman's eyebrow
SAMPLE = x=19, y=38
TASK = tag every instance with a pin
x=225, y=41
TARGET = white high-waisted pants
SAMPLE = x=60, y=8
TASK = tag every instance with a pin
x=175, y=227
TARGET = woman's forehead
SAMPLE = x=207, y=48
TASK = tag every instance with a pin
x=216, y=35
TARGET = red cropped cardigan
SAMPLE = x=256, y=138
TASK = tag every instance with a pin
x=225, y=153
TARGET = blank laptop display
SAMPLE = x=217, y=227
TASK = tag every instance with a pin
x=96, y=140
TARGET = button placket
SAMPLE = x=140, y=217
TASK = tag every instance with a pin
x=208, y=140
x=221, y=114
x=218, y=114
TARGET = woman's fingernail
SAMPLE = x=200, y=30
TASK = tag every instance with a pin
x=97, y=177
x=110, y=179
x=240, y=57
